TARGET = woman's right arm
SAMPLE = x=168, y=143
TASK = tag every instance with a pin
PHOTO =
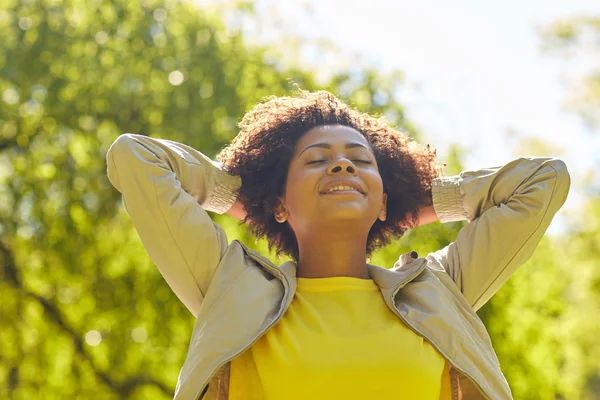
x=166, y=188
x=237, y=211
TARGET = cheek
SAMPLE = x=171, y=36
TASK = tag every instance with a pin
x=303, y=178
x=302, y=187
x=377, y=190
x=375, y=198
x=375, y=181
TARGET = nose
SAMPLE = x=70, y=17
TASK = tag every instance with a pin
x=342, y=164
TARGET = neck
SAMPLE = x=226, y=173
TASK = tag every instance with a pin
x=324, y=255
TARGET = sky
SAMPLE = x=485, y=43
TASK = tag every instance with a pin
x=475, y=74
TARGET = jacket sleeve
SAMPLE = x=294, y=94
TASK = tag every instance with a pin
x=508, y=209
x=166, y=188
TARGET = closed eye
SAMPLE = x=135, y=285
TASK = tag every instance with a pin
x=317, y=161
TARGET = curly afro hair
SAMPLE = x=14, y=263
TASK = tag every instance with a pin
x=260, y=154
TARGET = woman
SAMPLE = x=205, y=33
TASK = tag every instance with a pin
x=327, y=186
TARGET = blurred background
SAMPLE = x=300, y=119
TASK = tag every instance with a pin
x=83, y=311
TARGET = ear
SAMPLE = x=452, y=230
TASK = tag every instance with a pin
x=280, y=213
x=383, y=211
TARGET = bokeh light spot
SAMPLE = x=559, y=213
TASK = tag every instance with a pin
x=87, y=122
x=160, y=14
x=39, y=93
x=206, y=90
x=139, y=334
x=25, y=23
x=31, y=107
x=93, y=338
x=101, y=37
x=10, y=96
x=176, y=78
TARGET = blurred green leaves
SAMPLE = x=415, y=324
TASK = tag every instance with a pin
x=83, y=312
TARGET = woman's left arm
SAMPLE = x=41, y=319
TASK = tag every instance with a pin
x=508, y=209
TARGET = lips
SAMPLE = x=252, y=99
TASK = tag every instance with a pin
x=342, y=193
x=352, y=184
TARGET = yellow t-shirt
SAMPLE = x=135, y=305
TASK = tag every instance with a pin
x=339, y=340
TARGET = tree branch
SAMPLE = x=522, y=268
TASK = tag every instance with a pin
x=123, y=389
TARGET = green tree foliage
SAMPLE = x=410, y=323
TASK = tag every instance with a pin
x=544, y=322
x=83, y=312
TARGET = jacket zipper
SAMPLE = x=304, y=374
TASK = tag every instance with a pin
x=286, y=287
x=431, y=342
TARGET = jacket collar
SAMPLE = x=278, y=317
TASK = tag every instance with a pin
x=407, y=268
x=395, y=278
x=404, y=270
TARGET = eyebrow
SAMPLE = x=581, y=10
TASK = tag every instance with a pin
x=349, y=145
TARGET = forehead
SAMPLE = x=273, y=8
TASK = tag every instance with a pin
x=332, y=134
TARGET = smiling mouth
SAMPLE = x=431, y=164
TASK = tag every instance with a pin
x=342, y=192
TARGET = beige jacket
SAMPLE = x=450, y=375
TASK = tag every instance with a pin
x=237, y=294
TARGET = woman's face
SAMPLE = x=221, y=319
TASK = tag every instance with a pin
x=325, y=155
